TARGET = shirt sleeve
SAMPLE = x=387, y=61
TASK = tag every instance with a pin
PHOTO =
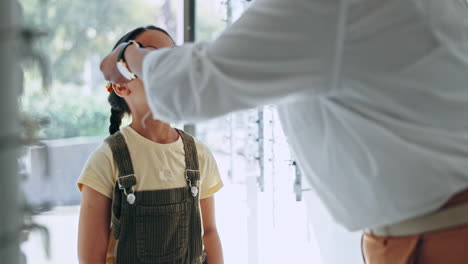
x=210, y=178
x=277, y=51
x=98, y=172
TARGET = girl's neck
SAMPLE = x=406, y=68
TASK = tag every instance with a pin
x=154, y=130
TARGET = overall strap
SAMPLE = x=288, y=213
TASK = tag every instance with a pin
x=192, y=171
x=192, y=174
x=123, y=160
x=126, y=179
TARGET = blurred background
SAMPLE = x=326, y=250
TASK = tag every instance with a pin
x=60, y=114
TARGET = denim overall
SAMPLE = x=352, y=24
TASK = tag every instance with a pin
x=162, y=226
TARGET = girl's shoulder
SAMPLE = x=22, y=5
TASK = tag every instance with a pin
x=202, y=148
x=99, y=171
x=102, y=153
x=204, y=153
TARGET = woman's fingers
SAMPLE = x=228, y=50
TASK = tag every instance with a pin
x=109, y=67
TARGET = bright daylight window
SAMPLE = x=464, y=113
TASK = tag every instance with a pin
x=261, y=215
x=73, y=106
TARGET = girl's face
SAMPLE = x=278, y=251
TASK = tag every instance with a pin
x=151, y=39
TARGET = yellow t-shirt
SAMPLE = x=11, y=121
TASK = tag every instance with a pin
x=156, y=166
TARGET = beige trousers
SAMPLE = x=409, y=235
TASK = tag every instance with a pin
x=448, y=246
x=444, y=247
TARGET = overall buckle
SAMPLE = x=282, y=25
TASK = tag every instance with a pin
x=131, y=198
x=193, y=188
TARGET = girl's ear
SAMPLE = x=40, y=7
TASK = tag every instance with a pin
x=121, y=89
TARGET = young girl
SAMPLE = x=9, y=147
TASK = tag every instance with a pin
x=147, y=191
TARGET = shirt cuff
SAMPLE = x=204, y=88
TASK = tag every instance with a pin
x=95, y=186
x=211, y=191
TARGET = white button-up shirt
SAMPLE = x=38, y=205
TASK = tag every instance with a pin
x=372, y=95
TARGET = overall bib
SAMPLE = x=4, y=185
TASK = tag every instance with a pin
x=162, y=226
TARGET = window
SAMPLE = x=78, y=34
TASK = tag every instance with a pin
x=74, y=104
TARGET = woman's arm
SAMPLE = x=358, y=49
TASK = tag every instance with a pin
x=93, y=233
x=278, y=51
x=213, y=249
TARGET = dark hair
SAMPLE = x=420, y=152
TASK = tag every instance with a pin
x=118, y=105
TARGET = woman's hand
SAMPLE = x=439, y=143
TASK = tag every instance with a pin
x=109, y=67
x=134, y=57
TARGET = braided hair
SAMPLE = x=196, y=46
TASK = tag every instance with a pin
x=118, y=105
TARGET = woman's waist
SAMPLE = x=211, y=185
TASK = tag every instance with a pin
x=453, y=213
